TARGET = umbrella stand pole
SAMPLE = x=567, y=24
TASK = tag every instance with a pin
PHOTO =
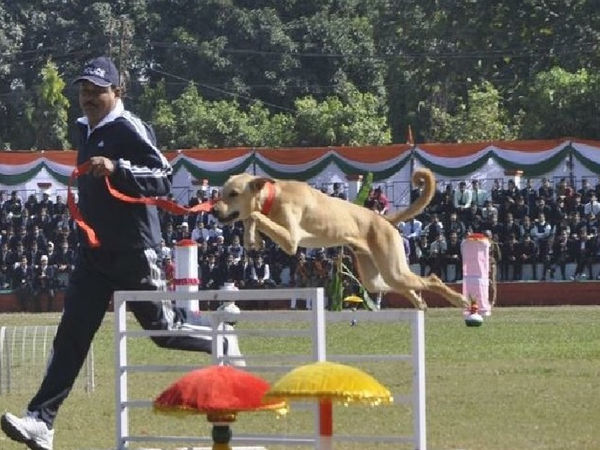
x=221, y=434
x=325, y=423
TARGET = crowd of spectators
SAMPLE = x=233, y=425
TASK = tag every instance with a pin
x=546, y=227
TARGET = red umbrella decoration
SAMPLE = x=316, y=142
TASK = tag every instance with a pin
x=220, y=392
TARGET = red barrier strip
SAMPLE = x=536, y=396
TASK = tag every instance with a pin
x=162, y=203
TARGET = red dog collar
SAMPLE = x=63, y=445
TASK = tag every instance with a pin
x=268, y=204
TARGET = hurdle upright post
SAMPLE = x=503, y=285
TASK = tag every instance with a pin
x=418, y=355
x=122, y=416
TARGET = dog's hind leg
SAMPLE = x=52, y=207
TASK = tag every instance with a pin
x=436, y=285
x=368, y=273
x=391, y=262
x=415, y=298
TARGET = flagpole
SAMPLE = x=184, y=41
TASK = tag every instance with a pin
x=411, y=141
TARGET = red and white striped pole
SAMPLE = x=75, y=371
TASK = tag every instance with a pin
x=186, y=272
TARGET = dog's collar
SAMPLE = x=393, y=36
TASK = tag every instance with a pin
x=268, y=204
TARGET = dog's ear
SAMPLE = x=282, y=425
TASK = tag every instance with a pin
x=257, y=184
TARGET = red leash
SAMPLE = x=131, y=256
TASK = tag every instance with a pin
x=162, y=203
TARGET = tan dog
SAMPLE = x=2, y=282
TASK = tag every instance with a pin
x=294, y=214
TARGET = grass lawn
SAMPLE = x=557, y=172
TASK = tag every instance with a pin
x=529, y=378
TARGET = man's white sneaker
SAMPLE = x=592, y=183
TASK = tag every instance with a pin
x=29, y=430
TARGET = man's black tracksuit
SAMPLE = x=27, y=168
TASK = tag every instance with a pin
x=126, y=258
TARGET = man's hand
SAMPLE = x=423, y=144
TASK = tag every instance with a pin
x=101, y=166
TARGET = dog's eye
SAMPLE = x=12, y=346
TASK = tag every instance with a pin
x=233, y=194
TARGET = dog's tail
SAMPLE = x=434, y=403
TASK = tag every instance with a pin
x=420, y=176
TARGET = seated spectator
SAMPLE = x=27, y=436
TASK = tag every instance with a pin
x=423, y=254
x=60, y=208
x=556, y=255
x=583, y=252
x=497, y=193
x=34, y=254
x=453, y=257
x=303, y=271
x=211, y=273
x=546, y=191
x=510, y=253
x=526, y=227
x=194, y=201
x=563, y=189
x=541, y=207
x=593, y=206
x=576, y=224
x=511, y=191
x=520, y=209
x=214, y=230
x=200, y=233
x=65, y=263
x=232, y=271
x=5, y=272
x=478, y=195
x=184, y=232
x=22, y=282
x=527, y=254
x=169, y=235
x=437, y=252
x=434, y=228
x=472, y=214
x=44, y=284
x=509, y=227
x=586, y=190
x=411, y=229
x=168, y=269
x=462, y=200
x=236, y=249
x=576, y=205
x=51, y=253
x=559, y=212
x=31, y=203
x=506, y=207
x=528, y=194
x=14, y=208
x=37, y=236
x=541, y=232
x=493, y=225
x=44, y=222
x=488, y=210
x=261, y=274
x=203, y=252
x=338, y=192
x=455, y=226
x=592, y=222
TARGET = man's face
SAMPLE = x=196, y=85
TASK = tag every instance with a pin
x=96, y=101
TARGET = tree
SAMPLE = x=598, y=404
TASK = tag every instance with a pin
x=482, y=118
x=562, y=103
x=49, y=112
x=333, y=122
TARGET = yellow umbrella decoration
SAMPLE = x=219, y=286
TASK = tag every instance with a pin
x=329, y=382
x=353, y=299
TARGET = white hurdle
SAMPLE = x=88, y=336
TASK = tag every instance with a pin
x=317, y=318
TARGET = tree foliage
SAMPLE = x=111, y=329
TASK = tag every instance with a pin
x=315, y=72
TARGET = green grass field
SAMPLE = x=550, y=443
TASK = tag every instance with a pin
x=529, y=378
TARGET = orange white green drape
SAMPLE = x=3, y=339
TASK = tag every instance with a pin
x=448, y=161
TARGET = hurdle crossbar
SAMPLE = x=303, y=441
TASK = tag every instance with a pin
x=317, y=317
